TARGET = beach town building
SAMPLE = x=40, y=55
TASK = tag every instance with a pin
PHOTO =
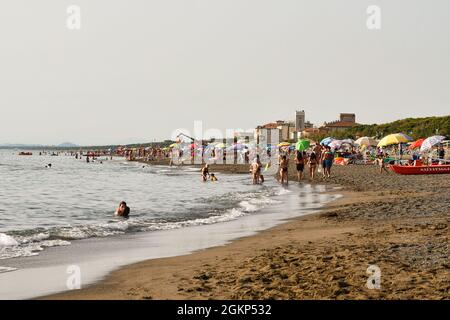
x=301, y=125
x=300, y=121
x=267, y=134
x=287, y=130
x=283, y=130
x=311, y=132
x=346, y=121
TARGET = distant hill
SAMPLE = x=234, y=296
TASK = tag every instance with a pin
x=67, y=145
x=414, y=127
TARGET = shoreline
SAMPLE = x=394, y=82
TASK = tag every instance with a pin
x=97, y=257
x=163, y=268
x=396, y=223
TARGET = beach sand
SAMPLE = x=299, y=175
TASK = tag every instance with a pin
x=398, y=223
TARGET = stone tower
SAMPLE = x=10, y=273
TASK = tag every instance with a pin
x=299, y=120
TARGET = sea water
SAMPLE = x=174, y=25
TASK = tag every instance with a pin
x=43, y=206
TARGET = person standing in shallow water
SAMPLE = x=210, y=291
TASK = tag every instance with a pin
x=284, y=163
x=300, y=162
x=205, y=173
x=312, y=164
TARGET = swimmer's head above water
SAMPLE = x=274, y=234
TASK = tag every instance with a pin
x=123, y=210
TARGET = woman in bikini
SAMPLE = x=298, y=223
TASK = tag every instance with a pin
x=300, y=162
x=312, y=163
x=284, y=163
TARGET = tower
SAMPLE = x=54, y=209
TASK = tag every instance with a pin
x=299, y=120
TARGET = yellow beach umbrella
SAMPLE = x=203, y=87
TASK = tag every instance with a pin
x=395, y=138
x=220, y=145
x=284, y=144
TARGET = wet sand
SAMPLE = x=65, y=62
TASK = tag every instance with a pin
x=398, y=223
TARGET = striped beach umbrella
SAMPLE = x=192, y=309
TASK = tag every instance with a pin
x=430, y=142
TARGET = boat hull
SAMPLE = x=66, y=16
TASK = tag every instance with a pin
x=437, y=169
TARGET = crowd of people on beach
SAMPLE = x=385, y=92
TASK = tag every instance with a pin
x=314, y=160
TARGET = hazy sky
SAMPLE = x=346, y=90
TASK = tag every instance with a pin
x=142, y=68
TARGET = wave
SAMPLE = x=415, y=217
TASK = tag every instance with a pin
x=7, y=241
x=25, y=243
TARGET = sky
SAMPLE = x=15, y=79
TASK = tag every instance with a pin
x=141, y=69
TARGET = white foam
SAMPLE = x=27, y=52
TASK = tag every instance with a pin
x=248, y=206
x=7, y=241
x=7, y=269
x=283, y=191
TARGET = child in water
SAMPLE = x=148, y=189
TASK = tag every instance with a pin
x=213, y=177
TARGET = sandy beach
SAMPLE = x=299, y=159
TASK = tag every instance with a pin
x=398, y=223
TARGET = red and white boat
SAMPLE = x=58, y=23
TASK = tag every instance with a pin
x=433, y=169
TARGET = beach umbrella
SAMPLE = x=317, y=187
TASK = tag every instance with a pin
x=335, y=144
x=220, y=145
x=326, y=141
x=406, y=136
x=416, y=144
x=302, y=145
x=366, y=141
x=284, y=144
x=348, y=141
x=430, y=142
x=394, y=138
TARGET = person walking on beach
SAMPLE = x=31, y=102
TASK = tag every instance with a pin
x=327, y=161
x=312, y=164
x=284, y=164
x=300, y=162
x=205, y=173
x=318, y=151
x=380, y=162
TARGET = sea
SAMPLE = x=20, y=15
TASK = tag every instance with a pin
x=72, y=203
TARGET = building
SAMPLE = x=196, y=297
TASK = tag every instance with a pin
x=300, y=120
x=301, y=124
x=287, y=130
x=346, y=121
x=311, y=132
x=267, y=134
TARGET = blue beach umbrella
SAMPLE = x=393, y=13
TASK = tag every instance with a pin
x=326, y=141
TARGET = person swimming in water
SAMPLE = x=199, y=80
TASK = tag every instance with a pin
x=123, y=210
x=213, y=177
